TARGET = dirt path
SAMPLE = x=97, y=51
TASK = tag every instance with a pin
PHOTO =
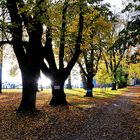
x=118, y=121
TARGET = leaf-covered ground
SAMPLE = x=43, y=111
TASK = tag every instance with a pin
x=58, y=123
x=120, y=120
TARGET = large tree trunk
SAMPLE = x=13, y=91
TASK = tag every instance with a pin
x=89, y=86
x=114, y=84
x=1, y=60
x=84, y=81
x=126, y=79
x=28, y=55
x=69, y=82
x=120, y=85
x=0, y=77
x=28, y=102
x=58, y=95
x=123, y=84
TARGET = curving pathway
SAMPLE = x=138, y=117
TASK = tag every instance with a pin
x=118, y=121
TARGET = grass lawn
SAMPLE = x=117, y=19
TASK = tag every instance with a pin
x=80, y=92
x=97, y=92
x=76, y=97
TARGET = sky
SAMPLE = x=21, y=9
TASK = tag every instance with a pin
x=115, y=4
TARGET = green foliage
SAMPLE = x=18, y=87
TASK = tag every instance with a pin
x=120, y=75
x=103, y=76
x=93, y=1
x=135, y=58
x=96, y=28
x=133, y=27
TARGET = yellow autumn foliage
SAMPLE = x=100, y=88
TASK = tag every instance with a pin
x=102, y=25
x=102, y=76
x=134, y=70
x=73, y=27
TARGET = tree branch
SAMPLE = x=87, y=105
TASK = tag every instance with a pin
x=81, y=67
x=25, y=15
x=48, y=50
x=106, y=62
x=16, y=32
x=79, y=39
x=62, y=38
x=46, y=71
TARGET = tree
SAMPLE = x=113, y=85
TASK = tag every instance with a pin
x=1, y=58
x=10, y=58
x=133, y=7
x=96, y=28
x=134, y=71
x=133, y=38
x=27, y=53
x=116, y=47
x=3, y=35
x=14, y=70
x=117, y=51
x=2, y=19
x=132, y=60
x=113, y=58
x=103, y=76
x=60, y=74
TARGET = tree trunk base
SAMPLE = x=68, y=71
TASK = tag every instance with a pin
x=113, y=89
x=57, y=103
x=27, y=111
x=88, y=94
x=28, y=103
x=114, y=86
x=69, y=87
x=122, y=85
x=58, y=99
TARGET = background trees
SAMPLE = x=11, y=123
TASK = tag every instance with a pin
x=117, y=44
x=96, y=28
x=2, y=36
x=103, y=76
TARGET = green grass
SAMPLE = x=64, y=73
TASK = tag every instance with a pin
x=107, y=93
x=79, y=92
x=97, y=92
x=11, y=90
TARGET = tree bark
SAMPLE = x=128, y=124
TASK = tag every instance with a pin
x=58, y=95
x=120, y=85
x=69, y=82
x=83, y=78
x=114, y=84
x=30, y=86
x=123, y=84
x=89, y=86
x=0, y=77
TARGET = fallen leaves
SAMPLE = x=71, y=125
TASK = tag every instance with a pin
x=52, y=123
